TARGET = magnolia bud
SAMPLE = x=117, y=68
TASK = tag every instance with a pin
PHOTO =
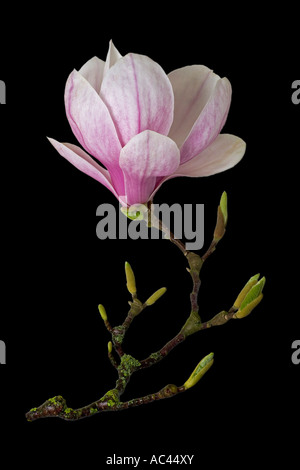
x=223, y=206
x=248, y=309
x=253, y=296
x=102, y=312
x=131, y=286
x=252, y=281
x=200, y=370
x=154, y=297
x=221, y=218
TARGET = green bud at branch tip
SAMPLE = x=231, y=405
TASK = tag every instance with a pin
x=199, y=371
x=248, y=309
x=252, y=281
x=253, y=293
x=109, y=347
x=220, y=226
x=130, y=279
x=222, y=216
x=154, y=297
x=254, y=278
x=102, y=312
x=223, y=205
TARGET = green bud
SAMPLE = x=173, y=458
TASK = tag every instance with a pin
x=223, y=205
x=199, y=371
x=248, y=309
x=131, y=286
x=252, y=298
x=222, y=217
x=154, y=297
x=253, y=293
x=102, y=312
x=252, y=281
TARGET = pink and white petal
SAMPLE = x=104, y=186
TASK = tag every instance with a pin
x=224, y=153
x=192, y=86
x=144, y=158
x=112, y=57
x=210, y=122
x=83, y=162
x=93, y=71
x=139, y=96
x=90, y=121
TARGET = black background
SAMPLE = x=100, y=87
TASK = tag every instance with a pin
x=56, y=271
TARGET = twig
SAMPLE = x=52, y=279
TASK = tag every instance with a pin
x=248, y=298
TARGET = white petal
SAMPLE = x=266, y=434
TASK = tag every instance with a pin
x=192, y=86
x=83, y=162
x=92, y=71
x=112, y=57
x=209, y=123
x=224, y=153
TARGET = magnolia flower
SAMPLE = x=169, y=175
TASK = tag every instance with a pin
x=145, y=126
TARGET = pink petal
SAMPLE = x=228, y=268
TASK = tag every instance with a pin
x=84, y=163
x=192, y=87
x=112, y=57
x=93, y=71
x=210, y=121
x=92, y=125
x=224, y=153
x=139, y=96
x=144, y=158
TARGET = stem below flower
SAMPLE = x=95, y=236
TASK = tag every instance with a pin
x=128, y=365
